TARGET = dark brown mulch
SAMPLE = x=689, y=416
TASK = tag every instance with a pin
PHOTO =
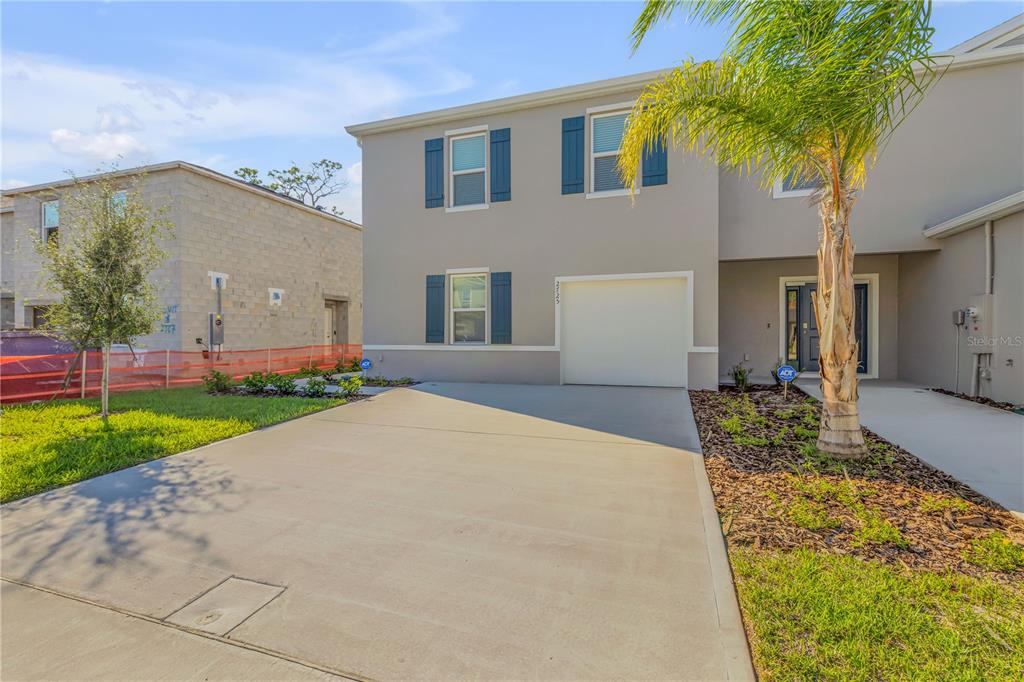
x=756, y=485
x=981, y=400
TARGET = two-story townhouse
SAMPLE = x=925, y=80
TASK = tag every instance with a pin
x=501, y=246
x=289, y=274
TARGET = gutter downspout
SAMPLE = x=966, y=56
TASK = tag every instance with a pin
x=989, y=277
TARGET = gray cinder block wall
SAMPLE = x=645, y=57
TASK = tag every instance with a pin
x=257, y=241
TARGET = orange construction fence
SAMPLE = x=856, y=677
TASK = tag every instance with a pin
x=41, y=377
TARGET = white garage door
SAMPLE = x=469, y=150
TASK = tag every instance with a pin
x=625, y=332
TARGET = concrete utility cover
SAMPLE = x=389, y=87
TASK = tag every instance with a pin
x=225, y=606
x=445, y=531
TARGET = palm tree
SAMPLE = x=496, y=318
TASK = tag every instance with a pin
x=806, y=90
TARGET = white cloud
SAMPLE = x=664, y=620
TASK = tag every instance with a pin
x=14, y=183
x=59, y=113
x=102, y=146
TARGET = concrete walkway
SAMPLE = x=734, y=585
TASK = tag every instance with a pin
x=981, y=446
x=439, y=532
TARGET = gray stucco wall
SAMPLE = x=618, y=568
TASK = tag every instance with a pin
x=750, y=303
x=962, y=148
x=935, y=283
x=538, y=235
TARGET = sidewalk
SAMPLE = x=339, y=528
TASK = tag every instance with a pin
x=981, y=446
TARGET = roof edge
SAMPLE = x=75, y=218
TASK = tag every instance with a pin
x=609, y=86
x=1000, y=208
x=193, y=168
x=988, y=36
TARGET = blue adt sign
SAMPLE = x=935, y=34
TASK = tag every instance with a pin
x=366, y=364
x=786, y=373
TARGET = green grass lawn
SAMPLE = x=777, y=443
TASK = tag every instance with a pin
x=46, y=445
x=819, y=616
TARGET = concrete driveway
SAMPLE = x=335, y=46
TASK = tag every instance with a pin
x=441, y=532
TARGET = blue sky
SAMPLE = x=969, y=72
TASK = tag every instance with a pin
x=264, y=84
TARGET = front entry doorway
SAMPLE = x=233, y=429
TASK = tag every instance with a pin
x=802, y=333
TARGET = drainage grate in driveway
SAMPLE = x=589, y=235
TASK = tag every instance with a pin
x=225, y=606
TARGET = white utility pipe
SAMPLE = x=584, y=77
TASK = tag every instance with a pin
x=989, y=274
x=989, y=277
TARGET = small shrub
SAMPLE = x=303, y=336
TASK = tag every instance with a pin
x=315, y=388
x=283, y=385
x=996, y=552
x=733, y=426
x=256, y=382
x=310, y=372
x=823, y=489
x=810, y=515
x=744, y=439
x=805, y=433
x=788, y=413
x=740, y=376
x=775, y=371
x=935, y=503
x=876, y=530
x=217, y=382
x=780, y=437
x=349, y=387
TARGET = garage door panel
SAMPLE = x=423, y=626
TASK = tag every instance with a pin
x=625, y=332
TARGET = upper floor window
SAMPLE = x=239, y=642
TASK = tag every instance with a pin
x=50, y=219
x=469, y=169
x=606, y=131
x=469, y=308
x=793, y=186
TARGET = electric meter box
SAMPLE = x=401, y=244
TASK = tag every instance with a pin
x=979, y=323
x=216, y=329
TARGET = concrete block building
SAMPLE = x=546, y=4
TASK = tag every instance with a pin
x=290, y=275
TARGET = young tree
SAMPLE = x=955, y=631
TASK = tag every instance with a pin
x=100, y=267
x=308, y=186
x=807, y=90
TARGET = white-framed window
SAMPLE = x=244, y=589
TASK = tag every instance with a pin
x=49, y=214
x=468, y=172
x=792, y=186
x=469, y=295
x=606, y=131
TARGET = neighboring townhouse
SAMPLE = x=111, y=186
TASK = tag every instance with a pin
x=290, y=275
x=500, y=245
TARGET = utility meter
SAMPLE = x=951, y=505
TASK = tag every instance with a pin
x=216, y=329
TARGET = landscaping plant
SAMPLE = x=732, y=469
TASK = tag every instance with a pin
x=350, y=386
x=99, y=268
x=315, y=388
x=217, y=382
x=282, y=384
x=807, y=92
x=256, y=382
x=740, y=376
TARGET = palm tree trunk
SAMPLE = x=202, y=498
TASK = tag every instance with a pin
x=105, y=383
x=840, y=434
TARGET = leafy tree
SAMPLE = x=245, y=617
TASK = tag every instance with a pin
x=806, y=90
x=100, y=267
x=308, y=186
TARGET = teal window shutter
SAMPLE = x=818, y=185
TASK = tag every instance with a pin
x=501, y=307
x=501, y=165
x=572, y=154
x=433, y=172
x=655, y=164
x=435, y=308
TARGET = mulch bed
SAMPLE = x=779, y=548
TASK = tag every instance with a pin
x=981, y=400
x=758, y=485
